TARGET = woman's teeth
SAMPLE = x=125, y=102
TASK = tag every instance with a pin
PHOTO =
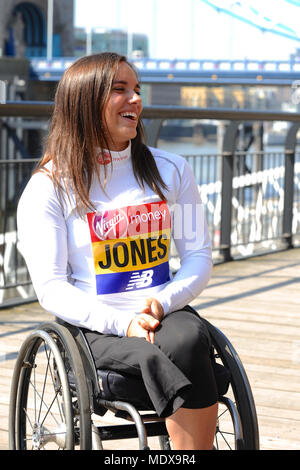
x=129, y=115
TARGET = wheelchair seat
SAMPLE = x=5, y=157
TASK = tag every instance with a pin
x=84, y=391
x=115, y=385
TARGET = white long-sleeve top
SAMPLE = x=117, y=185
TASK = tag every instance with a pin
x=96, y=271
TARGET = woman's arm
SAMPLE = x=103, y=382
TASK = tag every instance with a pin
x=43, y=240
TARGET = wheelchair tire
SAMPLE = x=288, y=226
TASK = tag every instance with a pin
x=240, y=389
x=49, y=394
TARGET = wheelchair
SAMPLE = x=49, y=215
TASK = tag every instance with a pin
x=57, y=394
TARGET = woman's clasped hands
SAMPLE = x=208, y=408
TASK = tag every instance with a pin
x=145, y=324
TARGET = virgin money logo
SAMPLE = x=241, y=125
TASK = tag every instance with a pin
x=108, y=225
x=104, y=158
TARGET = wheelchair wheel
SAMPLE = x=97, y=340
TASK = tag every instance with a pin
x=237, y=426
x=49, y=402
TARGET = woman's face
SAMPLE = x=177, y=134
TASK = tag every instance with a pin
x=123, y=108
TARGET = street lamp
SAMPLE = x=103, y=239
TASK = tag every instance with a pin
x=89, y=39
x=50, y=30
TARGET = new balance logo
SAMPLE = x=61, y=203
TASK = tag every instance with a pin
x=140, y=281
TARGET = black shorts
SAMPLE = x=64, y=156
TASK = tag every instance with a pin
x=176, y=370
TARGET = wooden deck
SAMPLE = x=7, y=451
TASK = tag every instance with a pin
x=256, y=303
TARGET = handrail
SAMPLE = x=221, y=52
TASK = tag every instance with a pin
x=45, y=108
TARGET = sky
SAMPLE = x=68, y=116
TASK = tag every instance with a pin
x=191, y=29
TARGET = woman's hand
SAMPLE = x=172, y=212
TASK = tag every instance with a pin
x=144, y=325
x=153, y=307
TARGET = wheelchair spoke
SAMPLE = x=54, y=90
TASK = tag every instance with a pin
x=224, y=438
x=49, y=408
x=44, y=385
x=58, y=389
x=27, y=416
x=222, y=414
x=222, y=434
x=43, y=402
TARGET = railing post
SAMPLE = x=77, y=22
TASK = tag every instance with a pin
x=289, y=170
x=152, y=131
x=227, y=178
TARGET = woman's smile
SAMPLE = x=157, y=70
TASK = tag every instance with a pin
x=131, y=117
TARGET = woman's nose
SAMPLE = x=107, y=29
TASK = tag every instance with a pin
x=135, y=97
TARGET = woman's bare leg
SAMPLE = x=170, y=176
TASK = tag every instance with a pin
x=193, y=429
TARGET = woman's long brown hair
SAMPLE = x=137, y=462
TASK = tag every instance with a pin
x=77, y=129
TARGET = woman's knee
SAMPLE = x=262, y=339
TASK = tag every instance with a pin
x=183, y=336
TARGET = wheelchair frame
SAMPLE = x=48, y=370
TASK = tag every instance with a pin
x=81, y=396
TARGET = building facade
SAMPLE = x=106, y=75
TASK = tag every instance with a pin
x=23, y=28
x=116, y=40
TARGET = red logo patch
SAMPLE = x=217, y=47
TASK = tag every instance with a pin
x=104, y=158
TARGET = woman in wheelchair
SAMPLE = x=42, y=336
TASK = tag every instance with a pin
x=95, y=226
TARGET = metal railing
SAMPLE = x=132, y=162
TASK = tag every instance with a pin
x=259, y=217
x=15, y=282
x=251, y=199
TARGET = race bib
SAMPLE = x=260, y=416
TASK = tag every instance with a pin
x=130, y=247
